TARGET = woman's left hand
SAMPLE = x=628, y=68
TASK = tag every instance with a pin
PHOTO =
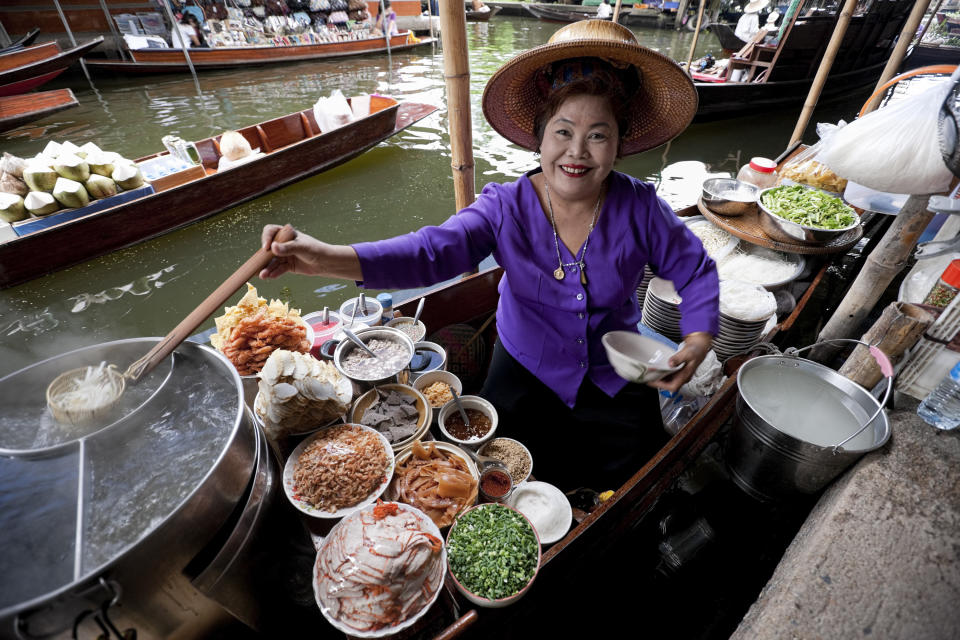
x=695, y=348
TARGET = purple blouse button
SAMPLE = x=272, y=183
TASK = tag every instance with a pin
x=583, y=364
x=579, y=340
x=580, y=315
x=579, y=296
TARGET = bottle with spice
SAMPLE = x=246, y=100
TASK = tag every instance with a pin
x=760, y=172
x=946, y=287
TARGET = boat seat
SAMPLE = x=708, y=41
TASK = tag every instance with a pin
x=281, y=132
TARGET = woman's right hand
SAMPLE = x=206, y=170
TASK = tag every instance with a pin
x=306, y=255
x=303, y=254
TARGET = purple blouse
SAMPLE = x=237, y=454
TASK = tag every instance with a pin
x=553, y=327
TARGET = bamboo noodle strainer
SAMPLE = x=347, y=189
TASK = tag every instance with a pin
x=113, y=382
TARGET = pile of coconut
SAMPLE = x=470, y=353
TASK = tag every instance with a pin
x=62, y=176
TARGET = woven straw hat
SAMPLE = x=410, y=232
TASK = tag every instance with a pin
x=756, y=5
x=663, y=106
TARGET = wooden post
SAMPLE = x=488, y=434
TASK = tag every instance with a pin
x=616, y=12
x=896, y=58
x=825, y=65
x=900, y=326
x=879, y=270
x=456, y=72
x=696, y=33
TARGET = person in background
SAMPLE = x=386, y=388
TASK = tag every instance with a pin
x=573, y=237
x=191, y=32
x=390, y=28
x=749, y=23
x=605, y=11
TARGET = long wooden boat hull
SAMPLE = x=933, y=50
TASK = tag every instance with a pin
x=72, y=242
x=15, y=58
x=732, y=99
x=31, y=75
x=20, y=109
x=173, y=60
x=559, y=15
x=926, y=55
x=482, y=16
x=25, y=41
x=725, y=34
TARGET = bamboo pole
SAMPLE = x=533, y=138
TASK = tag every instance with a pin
x=896, y=58
x=881, y=267
x=616, y=12
x=696, y=33
x=826, y=64
x=681, y=12
x=386, y=29
x=456, y=73
x=897, y=329
x=926, y=25
x=117, y=38
x=184, y=45
x=73, y=40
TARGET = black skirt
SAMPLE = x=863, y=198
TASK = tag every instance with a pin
x=599, y=443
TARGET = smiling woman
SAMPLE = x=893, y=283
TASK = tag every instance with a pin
x=589, y=95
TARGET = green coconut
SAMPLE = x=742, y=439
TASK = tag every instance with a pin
x=11, y=207
x=70, y=193
x=40, y=203
x=127, y=176
x=100, y=163
x=53, y=149
x=100, y=186
x=72, y=167
x=68, y=147
x=39, y=177
x=87, y=149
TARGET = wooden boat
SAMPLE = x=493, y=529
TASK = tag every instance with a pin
x=27, y=107
x=26, y=69
x=549, y=13
x=780, y=75
x=508, y=7
x=173, y=60
x=24, y=41
x=294, y=148
x=472, y=301
x=728, y=39
x=482, y=16
x=925, y=55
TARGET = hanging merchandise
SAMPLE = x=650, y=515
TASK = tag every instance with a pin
x=895, y=148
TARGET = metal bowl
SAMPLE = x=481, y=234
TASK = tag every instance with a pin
x=381, y=333
x=729, y=197
x=787, y=231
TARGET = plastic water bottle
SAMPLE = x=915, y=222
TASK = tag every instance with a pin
x=942, y=407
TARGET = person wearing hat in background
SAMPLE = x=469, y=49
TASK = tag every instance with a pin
x=749, y=23
x=604, y=10
x=573, y=237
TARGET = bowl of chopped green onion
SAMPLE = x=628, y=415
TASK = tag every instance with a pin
x=493, y=554
x=802, y=214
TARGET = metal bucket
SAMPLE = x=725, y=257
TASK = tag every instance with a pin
x=793, y=415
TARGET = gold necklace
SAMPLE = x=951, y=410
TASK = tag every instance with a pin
x=579, y=260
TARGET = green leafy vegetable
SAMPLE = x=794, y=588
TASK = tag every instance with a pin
x=492, y=551
x=809, y=207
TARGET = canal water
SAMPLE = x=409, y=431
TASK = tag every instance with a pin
x=397, y=187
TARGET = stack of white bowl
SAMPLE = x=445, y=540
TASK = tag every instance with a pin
x=644, y=283
x=661, y=313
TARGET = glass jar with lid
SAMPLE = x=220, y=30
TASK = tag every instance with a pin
x=760, y=172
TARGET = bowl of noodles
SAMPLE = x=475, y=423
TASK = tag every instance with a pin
x=436, y=477
x=338, y=470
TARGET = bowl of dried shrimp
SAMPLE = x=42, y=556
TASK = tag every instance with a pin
x=436, y=477
x=338, y=470
x=366, y=594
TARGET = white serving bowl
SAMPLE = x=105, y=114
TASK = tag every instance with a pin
x=428, y=378
x=468, y=402
x=638, y=358
x=531, y=493
x=425, y=417
x=500, y=602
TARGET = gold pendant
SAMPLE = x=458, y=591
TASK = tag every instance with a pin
x=558, y=273
x=583, y=276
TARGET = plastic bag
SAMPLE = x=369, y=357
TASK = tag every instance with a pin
x=806, y=168
x=894, y=149
x=333, y=112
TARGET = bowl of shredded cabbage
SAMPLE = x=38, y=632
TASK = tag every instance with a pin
x=801, y=214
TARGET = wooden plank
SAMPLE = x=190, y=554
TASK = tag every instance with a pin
x=20, y=109
x=36, y=53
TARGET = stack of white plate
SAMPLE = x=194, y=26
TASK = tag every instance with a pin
x=644, y=283
x=661, y=313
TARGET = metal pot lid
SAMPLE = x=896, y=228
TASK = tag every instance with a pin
x=72, y=502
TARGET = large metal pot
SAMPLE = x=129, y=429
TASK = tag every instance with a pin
x=791, y=415
x=120, y=513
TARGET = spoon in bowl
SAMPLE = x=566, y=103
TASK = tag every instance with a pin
x=416, y=316
x=463, y=414
x=357, y=341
